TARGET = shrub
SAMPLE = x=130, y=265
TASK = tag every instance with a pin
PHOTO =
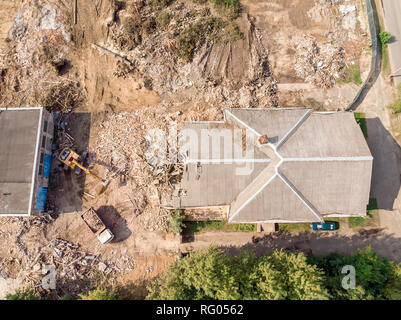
x=371, y=274
x=26, y=294
x=163, y=20
x=392, y=290
x=384, y=37
x=176, y=222
x=215, y=29
x=160, y=4
x=211, y=274
x=101, y=294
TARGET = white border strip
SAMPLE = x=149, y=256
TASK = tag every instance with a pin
x=35, y=161
x=364, y=158
x=20, y=109
x=295, y=127
x=300, y=197
x=227, y=161
x=251, y=198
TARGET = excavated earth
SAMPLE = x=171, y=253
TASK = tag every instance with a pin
x=115, y=75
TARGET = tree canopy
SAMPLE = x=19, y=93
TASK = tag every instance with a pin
x=213, y=275
x=277, y=275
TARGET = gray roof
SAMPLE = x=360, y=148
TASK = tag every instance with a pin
x=315, y=164
x=18, y=135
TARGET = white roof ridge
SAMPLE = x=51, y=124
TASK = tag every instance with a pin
x=294, y=128
x=300, y=196
x=351, y=158
x=243, y=123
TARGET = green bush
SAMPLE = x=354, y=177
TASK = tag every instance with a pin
x=160, y=4
x=392, y=290
x=163, y=19
x=199, y=226
x=360, y=118
x=211, y=274
x=209, y=27
x=101, y=294
x=371, y=274
x=384, y=37
x=176, y=222
x=25, y=294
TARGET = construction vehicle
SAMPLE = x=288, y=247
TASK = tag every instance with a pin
x=97, y=226
x=70, y=158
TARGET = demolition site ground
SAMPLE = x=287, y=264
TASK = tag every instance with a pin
x=129, y=67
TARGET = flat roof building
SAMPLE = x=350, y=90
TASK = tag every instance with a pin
x=25, y=159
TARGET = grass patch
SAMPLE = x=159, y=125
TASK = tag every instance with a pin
x=214, y=28
x=160, y=4
x=193, y=227
x=163, y=19
x=371, y=218
x=352, y=75
x=294, y=226
x=395, y=107
x=360, y=118
x=383, y=38
x=300, y=226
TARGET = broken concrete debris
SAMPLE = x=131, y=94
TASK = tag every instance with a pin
x=320, y=65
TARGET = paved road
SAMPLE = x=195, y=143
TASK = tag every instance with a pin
x=392, y=21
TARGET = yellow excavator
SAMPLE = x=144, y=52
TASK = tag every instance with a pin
x=70, y=158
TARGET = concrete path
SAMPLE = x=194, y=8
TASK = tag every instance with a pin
x=316, y=243
x=390, y=221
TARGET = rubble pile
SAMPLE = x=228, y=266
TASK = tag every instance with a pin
x=72, y=265
x=38, y=47
x=217, y=70
x=320, y=65
x=126, y=144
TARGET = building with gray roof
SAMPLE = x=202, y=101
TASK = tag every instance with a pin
x=25, y=160
x=276, y=165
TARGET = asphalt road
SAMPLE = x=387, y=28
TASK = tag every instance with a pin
x=392, y=21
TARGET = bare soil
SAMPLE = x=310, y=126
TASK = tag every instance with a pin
x=133, y=82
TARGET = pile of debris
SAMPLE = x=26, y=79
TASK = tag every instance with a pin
x=318, y=64
x=216, y=71
x=73, y=267
x=123, y=143
x=38, y=46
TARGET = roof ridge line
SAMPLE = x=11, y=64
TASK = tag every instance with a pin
x=300, y=196
x=253, y=196
x=243, y=123
x=263, y=160
x=354, y=158
x=294, y=128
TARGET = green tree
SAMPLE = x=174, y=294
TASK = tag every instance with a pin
x=202, y=275
x=213, y=275
x=25, y=294
x=101, y=294
x=176, y=222
x=384, y=37
x=392, y=289
x=371, y=274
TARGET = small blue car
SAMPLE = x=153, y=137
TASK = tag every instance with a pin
x=327, y=226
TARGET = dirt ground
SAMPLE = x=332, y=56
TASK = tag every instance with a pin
x=120, y=93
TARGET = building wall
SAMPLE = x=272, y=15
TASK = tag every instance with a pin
x=43, y=159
